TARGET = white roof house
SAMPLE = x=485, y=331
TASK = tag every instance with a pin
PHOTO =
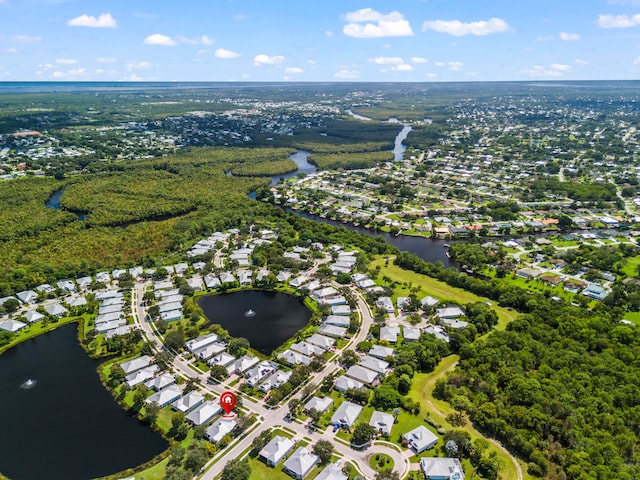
x=332, y=331
x=33, y=316
x=321, y=341
x=219, y=429
x=381, y=352
x=294, y=358
x=385, y=303
x=346, y=414
x=227, y=277
x=332, y=472
x=344, y=383
x=338, y=320
x=211, y=350
x=165, y=396
x=274, y=451
x=375, y=364
x=56, y=310
x=242, y=364
x=225, y=359
x=421, y=439
x=258, y=373
x=435, y=468
x=449, y=312
x=160, y=382
x=142, y=375
x=299, y=281
x=362, y=374
x=188, y=402
x=205, y=412
x=411, y=334
x=27, y=296
x=300, y=463
x=84, y=282
x=341, y=310
x=275, y=380
x=12, y=326
x=136, y=364
x=76, y=301
x=199, y=343
x=428, y=301
x=390, y=334
x=382, y=422
x=306, y=349
x=318, y=404
x=195, y=282
x=67, y=285
x=211, y=281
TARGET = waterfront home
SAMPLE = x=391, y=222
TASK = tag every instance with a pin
x=306, y=348
x=435, y=468
x=338, y=320
x=245, y=277
x=33, y=316
x=171, y=316
x=136, y=364
x=274, y=451
x=382, y=422
x=56, y=310
x=227, y=277
x=119, y=330
x=211, y=281
x=195, y=283
x=346, y=414
x=300, y=463
x=321, y=341
x=332, y=331
x=294, y=358
x=283, y=276
x=343, y=310
x=243, y=364
x=205, y=412
x=336, y=300
x=165, y=396
x=197, y=344
x=219, y=429
x=140, y=376
x=12, y=326
x=322, y=293
x=299, y=281
x=160, y=382
x=420, y=439
x=188, y=402
x=319, y=404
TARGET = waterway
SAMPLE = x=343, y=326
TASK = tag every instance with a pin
x=67, y=425
x=275, y=316
x=54, y=202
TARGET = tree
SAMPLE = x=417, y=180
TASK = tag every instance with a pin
x=387, y=474
x=294, y=406
x=324, y=450
x=152, y=410
x=238, y=347
x=179, y=428
x=174, y=340
x=362, y=434
x=197, y=457
x=164, y=360
x=349, y=358
x=218, y=372
x=117, y=374
x=386, y=397
x=236, y=469
x=177, y=473
x=261, y=440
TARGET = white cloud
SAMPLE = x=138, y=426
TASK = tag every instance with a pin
x=263, y=59
x=226, y=54
x=25, y=39
x=103, y=21
x=312, y=62
x=569, y=36
x=618, y=21
x=201, y=40
x=631, y=3
x=66, y=61
x=346, y=73
x=453, y=66
x=405, y=67
x=141, y=65
x=554, y=70
x=431, y=75
x=581, y=62
x=544, y=38
x=369, y=23
x=328, y=33
x=458, y=28
x=293, y=70
x=419, y=60
x=159, y=39
x=70, y=75
x=105, y=60
x=387, y=60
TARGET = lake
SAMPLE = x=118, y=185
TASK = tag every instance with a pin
x=278, y=316
x=67, y=425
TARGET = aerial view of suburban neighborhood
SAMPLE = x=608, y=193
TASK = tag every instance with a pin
x=398, y=269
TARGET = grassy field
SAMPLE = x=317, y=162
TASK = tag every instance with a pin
x=631, y=265
x=437, y=289
x=38, y=328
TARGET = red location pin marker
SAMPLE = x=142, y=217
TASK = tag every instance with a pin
x=227, y=402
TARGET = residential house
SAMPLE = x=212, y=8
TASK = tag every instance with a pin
x=165, y=396
x=420, y=439
x=306, y=349
x=136, y=364
x=338, y=320
x=435, y=468
x=56, y=310
x=274, y=451
x=382, y=422
x=294, y=358
x=319, y=404
x=275, y=380
x=595, y=291
x=225, y=359
x=331, y=472
x=346, y=414
x=362, y=374
x=219, y=429
x=321, y=341
x=411, y=334
x=344, y=383
x=242, y=364
x=199, y=343
x=211, y=350
x=332, y=331
x=142, y=375
x=300, y=463
x=341, y=310
x=211, y=281
x=188, y=402
x=12, y=326
x=385, y=303
x=381, y=352
x=375, y=364
x=453, y=311
x=33, y=316
x=258, y=373
x=389, y=334
x=205, y=412
x=27, y=297
x=160, y=382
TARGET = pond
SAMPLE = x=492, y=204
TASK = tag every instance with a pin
x=63, y=423
x=266, y=319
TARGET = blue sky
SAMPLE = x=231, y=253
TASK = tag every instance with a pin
x=319, y=40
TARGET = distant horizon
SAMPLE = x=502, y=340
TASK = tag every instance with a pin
x=365, y=41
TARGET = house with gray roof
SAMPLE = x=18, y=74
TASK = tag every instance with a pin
x=338, y=321
x=319, y=404
x=67, y=285
x=389, y=334
x=243, y=364
x=188, y=402
x=219, y=429
x=341, y=310
x=449, y=312
x=258, y=373
x=435, y=468
x=76, y=301
x=382, y=422
x=211, y=350
x=84, y=282
x=385, y=303
x=274, y=451
x=294, y=358
x=411, y=334
x=136, y=364
x=307, y=349
x=428, y=301
x=275, y=380
x=346, y=414
x=165, y=396
x=12, y=326
x=33, y=316
x=227, y=277
x=381, y=352
x=375, y=364
x=211, y=281
x=225, y=359
x=421, y=439
x=205, y=412
x=142, y=375
x=321, y=341
x=199, y=343
x=331, y=472
x=362, y=374
x=344, y=383
x=160, y=382
x=27, y=297
x=332, y=331
x=300, y=463
x=56, y=310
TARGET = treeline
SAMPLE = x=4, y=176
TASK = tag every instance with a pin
x=327, y=148
x=262, y=169
x=582, y=192
x=350, y=161
x=424, y=136
x=560, y=387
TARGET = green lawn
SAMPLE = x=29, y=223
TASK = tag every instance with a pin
x=631, y=265
x=437, y=289
x=38, y=328
x=633, y=316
